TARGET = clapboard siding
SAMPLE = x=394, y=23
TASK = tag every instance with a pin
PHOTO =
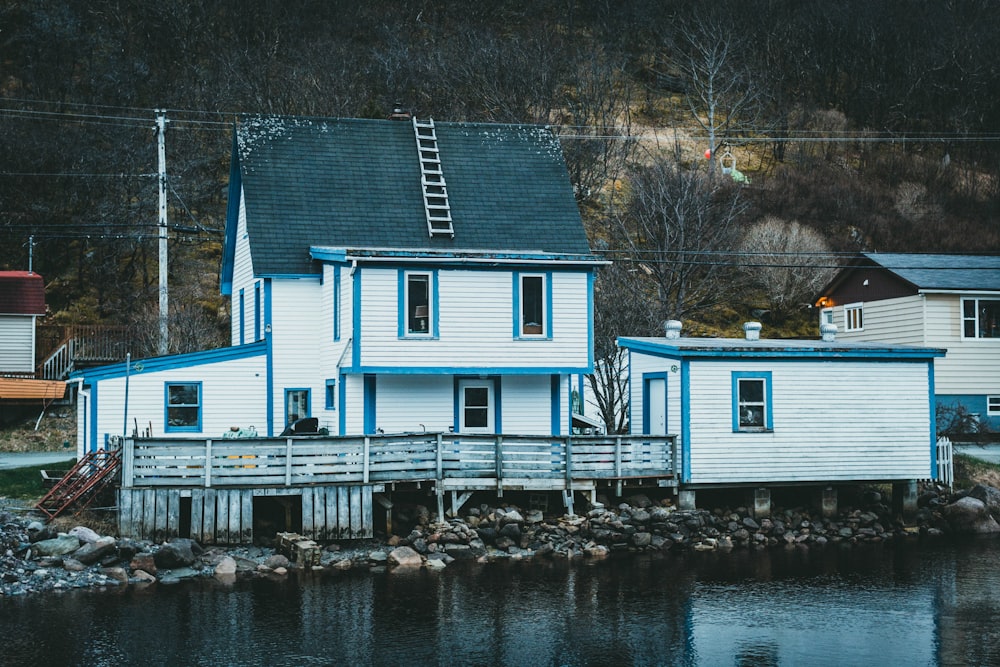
x=899, y=321
x=243, y=279
x=527, y=404
x=17, y=343
x=295, y=306
x=642, y=364
x=835, y=420
x=414, y=403
x=476, y=323
x=233, y=394
x=971, y=366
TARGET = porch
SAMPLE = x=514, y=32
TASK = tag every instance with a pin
x=334, y=481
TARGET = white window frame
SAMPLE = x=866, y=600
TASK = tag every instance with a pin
x=429, y=330
x=993, y=405
x=826, y=316
x=977, y=325
x=854, y=316
x=490, y=407
x=522, y=327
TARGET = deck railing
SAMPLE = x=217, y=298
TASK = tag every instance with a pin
x=509, y=461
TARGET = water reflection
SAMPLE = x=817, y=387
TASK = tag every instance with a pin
x=830, y=607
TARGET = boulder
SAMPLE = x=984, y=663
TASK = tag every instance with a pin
x=84, y=534
x=91, y=552
x=57, y=546
x=144, y=561
x=276, y=561
x=970, y=516
x=226, y=567
x=404, y=557
x=990, y=497
x=174, y=554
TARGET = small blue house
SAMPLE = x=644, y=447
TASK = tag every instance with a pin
x=760, y=413
x=384, y=276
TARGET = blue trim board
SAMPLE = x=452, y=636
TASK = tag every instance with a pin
x=685, y=420
x=833, y=353
x=243, y=315
x=736, y=376
x=369, y=404
x=646, y=377
x=342, y=414
x=269, y=339
x=933, y=415
x=257, y=314
x=515, y=282
x=554, y=390
x=92, y=445
x=466, y=370
x=590, y=321
x=172, y=362
x=336, y=303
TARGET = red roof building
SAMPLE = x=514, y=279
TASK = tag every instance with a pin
x=21, y=293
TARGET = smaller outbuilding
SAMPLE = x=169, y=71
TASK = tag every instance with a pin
x=759, y=413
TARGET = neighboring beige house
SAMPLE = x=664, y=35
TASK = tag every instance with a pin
x=940, y=301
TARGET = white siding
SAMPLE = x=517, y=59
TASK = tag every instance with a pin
x=833, y=420
x=898, y=321
x=295, y=332
x=233, y=394
x=641, y=364
x=243, y=278
x=971, y=366
x=527, y=405
x=17, y=343
x=476, y=323
x=414, y=403
x=354, y=404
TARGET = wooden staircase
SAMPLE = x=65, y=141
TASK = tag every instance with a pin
x=81, y=485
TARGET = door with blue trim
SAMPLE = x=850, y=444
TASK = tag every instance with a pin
x=476, y=406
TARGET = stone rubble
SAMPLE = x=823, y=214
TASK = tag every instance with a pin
x=34, y=559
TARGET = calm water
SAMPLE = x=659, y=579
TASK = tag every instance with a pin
x=877, y=606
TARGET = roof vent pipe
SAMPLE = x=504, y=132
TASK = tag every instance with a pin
x=672, y=329
x=828, y=332
x=752, y=330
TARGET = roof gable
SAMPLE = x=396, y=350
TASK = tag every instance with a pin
x=21, y=293
x=356, y=183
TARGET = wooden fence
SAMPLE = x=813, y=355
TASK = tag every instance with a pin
x=458, y=461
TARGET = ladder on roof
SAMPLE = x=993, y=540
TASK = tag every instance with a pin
x=435, y=190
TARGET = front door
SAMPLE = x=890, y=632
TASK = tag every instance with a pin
x=476, y=406
x=655, y=401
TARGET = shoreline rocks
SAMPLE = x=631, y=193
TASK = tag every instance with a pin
x=34, y=559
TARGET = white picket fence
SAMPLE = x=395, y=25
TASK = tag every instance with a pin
x=945, y=462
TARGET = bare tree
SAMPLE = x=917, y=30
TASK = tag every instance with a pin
x=787, y=261
x=671, y=224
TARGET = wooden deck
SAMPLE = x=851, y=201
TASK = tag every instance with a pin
x=336, y=478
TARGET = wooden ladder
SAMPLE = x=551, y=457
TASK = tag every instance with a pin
x=82, y=484
x=436, y=207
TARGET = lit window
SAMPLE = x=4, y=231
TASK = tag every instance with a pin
x=751, y=401
x=853, y=317
x=981, y=318
x=183, y=406
x=417, y=304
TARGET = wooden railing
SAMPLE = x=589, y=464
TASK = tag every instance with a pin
x=507, y=461
x=65, y=348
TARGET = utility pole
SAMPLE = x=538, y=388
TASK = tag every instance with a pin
x=31, y=252
x=161, y=126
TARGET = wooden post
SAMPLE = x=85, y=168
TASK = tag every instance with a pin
x=569, y=461
x=368, y=445
x=440, y=467
x=128, y=464
x=288, y=461
x=618, y=464
x=208, y=463
x=499, y=464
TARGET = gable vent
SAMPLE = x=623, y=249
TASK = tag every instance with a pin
x=435, y=190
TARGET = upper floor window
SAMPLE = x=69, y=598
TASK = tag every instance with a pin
x=980, y=318
x=417, y=304
x=533, y=292
x=826, y=316
x=183, y=406
x=752, y=401
x=854, y=317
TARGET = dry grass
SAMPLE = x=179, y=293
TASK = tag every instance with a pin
x=970, y=471
x=57, y=427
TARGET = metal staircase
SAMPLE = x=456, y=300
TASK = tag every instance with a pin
x=435, y=190
x=91, y=474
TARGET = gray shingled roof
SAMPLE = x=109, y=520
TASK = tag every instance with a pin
x=740, y=347
x=958, y=272
x=356, y=183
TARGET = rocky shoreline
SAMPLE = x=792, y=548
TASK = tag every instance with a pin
x=35, y=559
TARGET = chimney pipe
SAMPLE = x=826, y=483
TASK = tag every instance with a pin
x=752, y=330
x=828, y=332
x=672, y=329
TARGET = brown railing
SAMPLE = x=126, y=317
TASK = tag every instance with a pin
x=64, y=348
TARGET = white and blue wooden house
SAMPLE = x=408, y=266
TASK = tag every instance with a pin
x=756, y=413
x=385, y=276
x=946, y=301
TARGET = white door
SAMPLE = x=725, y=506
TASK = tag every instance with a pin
x=475, y=406
x=656, y=405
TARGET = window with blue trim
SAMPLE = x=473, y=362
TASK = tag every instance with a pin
x=183, y=406
x=331, y=394
x=297, y=405
x=532, y=296
x=752, y=402
x=418, y=303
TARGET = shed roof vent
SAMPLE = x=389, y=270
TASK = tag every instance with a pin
x=672, y=329
x=752, y=330
x=828, y=332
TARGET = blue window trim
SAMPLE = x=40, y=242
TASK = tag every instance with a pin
x=167, y=428
x=555, y=386
x=256, y=311
x=331, y=394
x=342, y=415
x=270, y=359
x=768, y=415
x=369, y=404
x=547, y=325
x=497, y=399
x=243, y=315
x=284, y=403
x=434, y=331
x=336, y=303
x=933, y=419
